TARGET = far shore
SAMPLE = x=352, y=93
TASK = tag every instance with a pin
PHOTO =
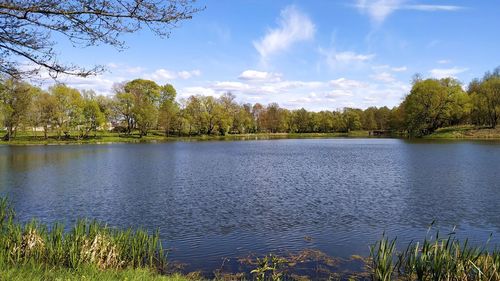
x=450, y=133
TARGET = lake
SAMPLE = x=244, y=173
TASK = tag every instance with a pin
x=227, y=199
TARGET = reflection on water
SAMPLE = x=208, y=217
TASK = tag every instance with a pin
x=214, y=200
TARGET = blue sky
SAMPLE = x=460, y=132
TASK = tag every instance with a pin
x=312, y=54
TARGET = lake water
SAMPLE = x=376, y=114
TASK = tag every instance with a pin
x=215, y=200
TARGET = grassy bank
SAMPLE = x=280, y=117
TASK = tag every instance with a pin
x=88, y=248
x=465, y=132
x=43, y=273
x=92, y=251
x=28, y=138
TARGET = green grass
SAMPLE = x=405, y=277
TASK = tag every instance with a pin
x=93, y=251
x=42, y=273
x=87, y=245
x=465, y=132
x=436, y=258
x=28, y=138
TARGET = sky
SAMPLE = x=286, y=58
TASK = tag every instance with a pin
x=319, y=55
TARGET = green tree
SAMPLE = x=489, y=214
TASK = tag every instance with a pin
x=145, y=97
x=485, y=96
x=93, y=117
x=168, y=115
x=382, y=118
x=302, y=120
x=368, y=120
x=169, y=109
x=258, y=112
x=325, y=121
x=123, y=107
x=45, y=110
x=352, y=119
x=34, y=118
x=15, y=99
x=431, y=105
x=210, y=112
x=194, y=114
x=273, y=118
x=69, y=112
x=243, y=120
x=226, y=112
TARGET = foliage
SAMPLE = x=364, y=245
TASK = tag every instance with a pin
x=142, y=105
x=26, y=29
x=485, y=95
x=432, y=104
x=15, y=98
x=436, y=258
x=382, y=254
x=269, y=268
x=85, y=244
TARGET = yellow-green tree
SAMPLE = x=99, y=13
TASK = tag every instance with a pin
x=44, y=112
x=69, y=111
x=15, y=100
x=432, y=104
x=145, y=98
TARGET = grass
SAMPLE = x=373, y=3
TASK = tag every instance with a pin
x=465, y=132
x=42, y=273
x=28, y=138
x=93, y=251
x=88, y=248
x=436, y=258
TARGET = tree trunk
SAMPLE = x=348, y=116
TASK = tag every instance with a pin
x=8, y=135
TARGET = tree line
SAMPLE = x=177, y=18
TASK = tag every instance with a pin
x=140, y=106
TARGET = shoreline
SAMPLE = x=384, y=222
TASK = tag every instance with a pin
x=448, y=133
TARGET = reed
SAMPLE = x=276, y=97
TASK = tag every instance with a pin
x=436, y=258
x=87, y=243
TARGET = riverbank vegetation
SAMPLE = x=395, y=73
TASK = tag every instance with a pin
x=436, y=258
x=142, y=107
x=92, y=251
x=87, y=246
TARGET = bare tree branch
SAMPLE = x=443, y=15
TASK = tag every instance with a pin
x=26, y=27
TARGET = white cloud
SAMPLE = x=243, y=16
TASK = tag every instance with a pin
x=344, y=83
x=432, y=8
x=165, y=75
x=379, y=10
x=352, y=57
x=254, y=75
x=194, y=91
x=311, y=98
x=162, y=74
x=294, y=26
x=336, y=59
x=440, y=73
x=230, y=86
x=383, y=76
x=188, y=74
x=298, y=84
x=386, y=67
x=339, y=93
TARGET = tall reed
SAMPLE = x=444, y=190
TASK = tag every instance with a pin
x=436, y=258
x=86, y=243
